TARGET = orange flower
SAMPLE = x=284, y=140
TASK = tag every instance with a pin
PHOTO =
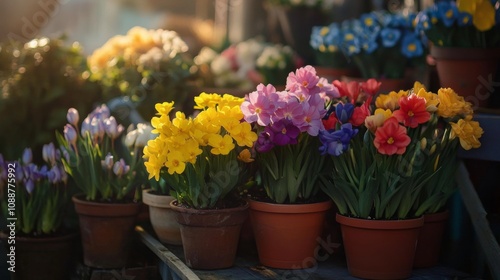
x=412, y=111
x=391, y=138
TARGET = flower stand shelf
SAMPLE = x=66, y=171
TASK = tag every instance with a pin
x=247, y=266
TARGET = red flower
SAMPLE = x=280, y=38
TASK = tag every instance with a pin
x=359, y=115
x=331, y=122
x=342, y=87
x=350, y=89
x=412, y=111
x=371, y=86
x=391, y=138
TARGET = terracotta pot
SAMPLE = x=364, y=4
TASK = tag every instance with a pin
x=287, y=234
x=387, y=85
x=44, y=258
x=106, y=230
x=162, y=217
x=470, y=72
x=430, y=239
x=210, y=237
x=380, y=249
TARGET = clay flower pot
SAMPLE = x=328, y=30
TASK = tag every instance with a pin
x=380, y=249
x=470, y=72
x=430, y=239
x=162, y=217
x=210, y=237
x=286, y=234
x=44, y=258
x=106, y=230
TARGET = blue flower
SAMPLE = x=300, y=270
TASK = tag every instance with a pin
x=336, y=142
x=464, y=19
x=411, y=46
x=344, y=112
x=423, y=22
x=447, y=12
x=369, y=20
x=370, y=46
x=316, y=39
x=350, y=44
x=390, y=36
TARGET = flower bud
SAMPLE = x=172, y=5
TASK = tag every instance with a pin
x=433, y=149
x=111, y=127
x=108, y=161
x=29, y=185
x=85, y=126
x=70, y=134
x=72, y=116
x=49, y=153
x=97, y=128
x=423, y=144
x=119, y=168
x=130, y=138
x=27, y=156
x=144, y=135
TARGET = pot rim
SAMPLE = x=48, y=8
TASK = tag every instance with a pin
x=92, y=208
x=380, y=224
x=453, y=53
x=174, y=206
x=290, y=208
x=156, y=200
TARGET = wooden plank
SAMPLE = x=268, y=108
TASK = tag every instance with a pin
x=166, y=256
x=481, y=226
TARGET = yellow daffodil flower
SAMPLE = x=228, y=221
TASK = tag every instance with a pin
x=221, y=145
x=468, y=132
x=245, y=156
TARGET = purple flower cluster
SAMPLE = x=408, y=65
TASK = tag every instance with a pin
x=286, y=114
x=29, y=174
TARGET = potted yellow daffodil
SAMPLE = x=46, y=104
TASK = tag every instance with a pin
x=203, y=159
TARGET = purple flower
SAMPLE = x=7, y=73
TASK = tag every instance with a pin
x=310, y=120
x=72, y=116
x=284, y=132
x=108, y=161
x=327, y=91
x=344, y=112
x=97, y=129
x=27, y=156
x=70, y=134
x=29, y=185
x=85, y=127
x=120, y=168
x=49, y=153
x=54, y=175
x=3, y=170
x=112, y=129
x=336, y=142
x=265, y=142
x=289, y=111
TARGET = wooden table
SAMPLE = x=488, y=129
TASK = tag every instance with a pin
x=247, y=266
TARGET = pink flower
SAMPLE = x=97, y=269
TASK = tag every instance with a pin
x=303, y=78
x=327, y=91
x=260, y=105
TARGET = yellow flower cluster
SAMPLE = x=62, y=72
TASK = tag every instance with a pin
x=482, y=11
x=446, y=104
x=138, y=42
x=217, y=128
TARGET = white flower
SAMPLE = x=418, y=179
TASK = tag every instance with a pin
x=220, y=65
x=206, y=56
x=144, y=134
